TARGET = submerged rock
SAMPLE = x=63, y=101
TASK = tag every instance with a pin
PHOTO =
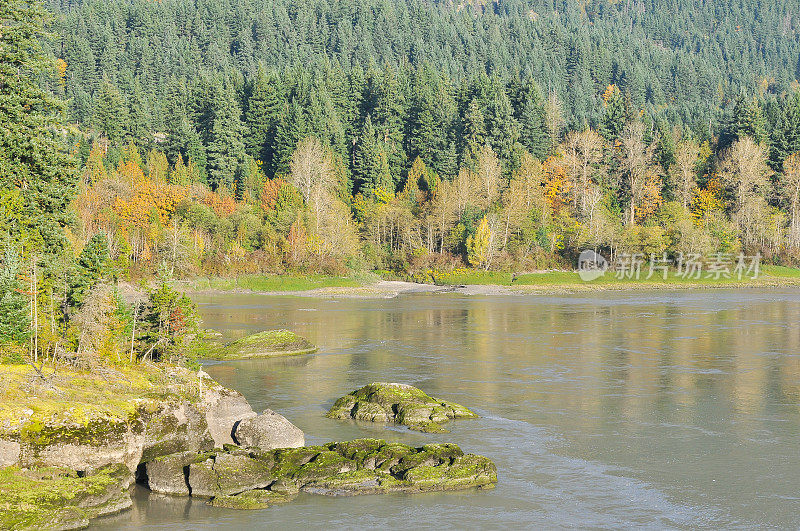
x=267, y=432
x=267, y=344
x=398, y=403
x=251, y=479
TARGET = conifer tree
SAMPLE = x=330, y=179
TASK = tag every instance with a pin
x=225, y=148
x=261, y=118
x=292, y=128
x=370, y=165
x=14, y=312
x=34, y=164
x=91, y=267
x=530, y=113
x=615, y=115
x=111, y=113
x=388, y=121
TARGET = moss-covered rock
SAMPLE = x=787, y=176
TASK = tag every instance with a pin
x=254, y=499
x=58, y=498
x=398, y=403
x=83, y=424
x=241, y=478
x=267, y=344
x=169, y=474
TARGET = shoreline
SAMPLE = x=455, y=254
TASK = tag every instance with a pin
x=389, y=289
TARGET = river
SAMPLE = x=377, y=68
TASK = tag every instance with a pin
x=653, y=410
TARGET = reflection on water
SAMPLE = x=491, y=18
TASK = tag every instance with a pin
x=648, y=410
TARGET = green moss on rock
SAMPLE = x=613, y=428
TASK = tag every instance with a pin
x=50, y=498
x=254, y=499
x=398, y=403
x=267, y=344
x=249, y=479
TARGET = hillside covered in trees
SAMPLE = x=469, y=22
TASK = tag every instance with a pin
x=247, y=136
x=254, y=136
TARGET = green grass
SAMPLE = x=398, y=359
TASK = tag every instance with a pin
x=781, y=271
x=770, y=276
x=277, y=282
x=472, y=277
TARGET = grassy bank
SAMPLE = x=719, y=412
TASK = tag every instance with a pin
x=366, y=284
x=770, y=276
x=276, y=283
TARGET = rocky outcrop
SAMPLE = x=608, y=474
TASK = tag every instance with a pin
x=152, y=428
x=267, y=432
x=163, y=439
x=169, y=474
x=250, y=478
x=59, y=498
x=398, y=403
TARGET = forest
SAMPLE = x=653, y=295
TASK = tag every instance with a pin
x=180, y=138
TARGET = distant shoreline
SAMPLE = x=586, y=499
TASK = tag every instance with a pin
x=387, y=289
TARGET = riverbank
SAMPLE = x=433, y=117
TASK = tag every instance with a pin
x=473, y=282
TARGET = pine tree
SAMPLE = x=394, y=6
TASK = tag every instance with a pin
x=33, y=162
x=530, y=113
x=370, y=163
x=111, y=113
x=261, y=119
x=14, y=313
x=225, y=147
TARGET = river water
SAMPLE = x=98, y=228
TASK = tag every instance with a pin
x=653, y=410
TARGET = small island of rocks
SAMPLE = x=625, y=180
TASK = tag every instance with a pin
x=400, y=404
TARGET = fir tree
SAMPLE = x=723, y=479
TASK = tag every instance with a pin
x=261, y=119
x=615, y=114
x=225, y=147
x=370, y=163
x=388, y=121
x=34, y=164
x=110, y=113
x=91, y=267
x=14, y=312
x=530, y=113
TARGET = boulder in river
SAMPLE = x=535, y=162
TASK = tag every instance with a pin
x=267, y=432
x=398, y=403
